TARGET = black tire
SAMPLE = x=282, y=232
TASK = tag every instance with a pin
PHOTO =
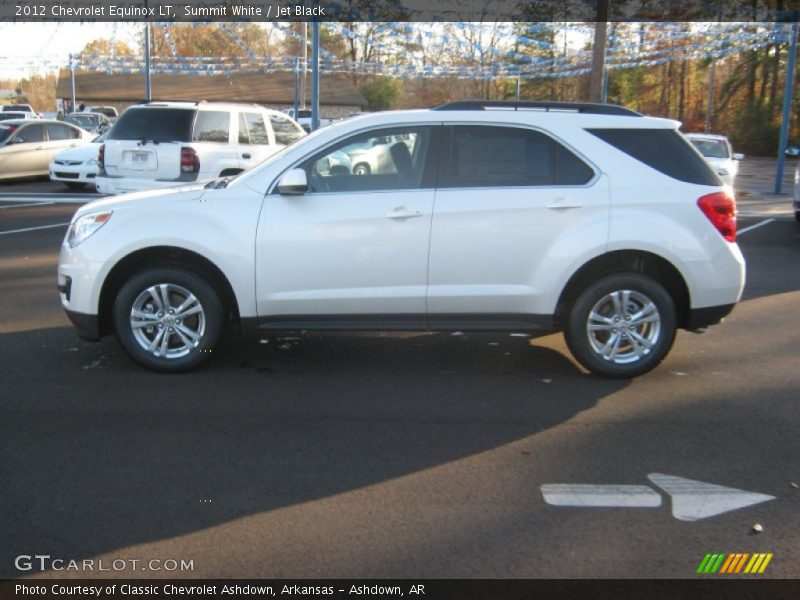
x=797, y=215
x=75, y=185
x=180, y=280
x=584, y=346
x=362, y=169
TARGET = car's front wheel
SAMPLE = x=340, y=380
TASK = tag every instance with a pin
x=168, y=319
x=621, y=325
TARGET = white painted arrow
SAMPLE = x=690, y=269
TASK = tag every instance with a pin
x=695, y=500
x=691, y=500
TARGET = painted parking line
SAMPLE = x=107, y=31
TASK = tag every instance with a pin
x=34, y=228
x=756, y=226
x=42, y=203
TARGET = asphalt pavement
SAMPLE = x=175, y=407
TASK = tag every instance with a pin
x=392, y=455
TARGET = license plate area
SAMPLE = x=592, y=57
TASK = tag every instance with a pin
x=140, y=160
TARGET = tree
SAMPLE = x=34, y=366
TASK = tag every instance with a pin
x=381, y=93
x=102, y=47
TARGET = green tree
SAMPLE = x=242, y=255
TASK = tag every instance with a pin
x=381, y=93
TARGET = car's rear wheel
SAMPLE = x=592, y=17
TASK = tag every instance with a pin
x=168, y=319
x=797, y=215
x=621, y=325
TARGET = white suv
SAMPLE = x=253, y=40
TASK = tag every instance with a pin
x=489, y=216
x=162, y=144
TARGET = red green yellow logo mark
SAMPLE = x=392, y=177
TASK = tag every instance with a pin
x=735, y=562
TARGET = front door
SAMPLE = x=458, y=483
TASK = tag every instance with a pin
x=354, y=249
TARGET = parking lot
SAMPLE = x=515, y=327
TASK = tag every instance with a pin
x=393, y=455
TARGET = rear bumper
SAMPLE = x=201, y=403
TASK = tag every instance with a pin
x=708, y=315
x=122, y=185
x=87, y=326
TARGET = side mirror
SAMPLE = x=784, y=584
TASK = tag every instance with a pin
x=293, y=183
x=738, y=156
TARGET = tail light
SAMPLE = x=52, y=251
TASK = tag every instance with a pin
x=101, y=156
x=190, y=162
x=720, y=208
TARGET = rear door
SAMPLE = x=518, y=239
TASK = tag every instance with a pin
x=61, y=136
x=145, y=142
x=259, y=142
x=506, y=197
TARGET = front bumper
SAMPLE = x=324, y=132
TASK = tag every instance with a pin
x=87, y=326
x=73, y=173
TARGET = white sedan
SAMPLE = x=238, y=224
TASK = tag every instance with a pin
x=718, y=152
x=77, y=166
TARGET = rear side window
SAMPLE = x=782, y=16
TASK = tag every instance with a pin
x=664, y=150
x=212, y=126
x=154, y=124
x=257, y=128
x=61, y=132
x=487, y=156
x=286, y=132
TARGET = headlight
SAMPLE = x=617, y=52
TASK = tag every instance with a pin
x=85, y=226
x=92, y=162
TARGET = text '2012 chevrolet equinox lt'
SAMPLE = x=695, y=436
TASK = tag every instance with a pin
x=482, y=216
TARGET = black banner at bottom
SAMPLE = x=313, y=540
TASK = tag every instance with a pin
x=424, y=589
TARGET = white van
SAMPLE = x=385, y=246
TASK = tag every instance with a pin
x=162, y=144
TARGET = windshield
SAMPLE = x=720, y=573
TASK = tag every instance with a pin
x=7, y=116
x=82, y=120
x=711, y=148
x=161, y=124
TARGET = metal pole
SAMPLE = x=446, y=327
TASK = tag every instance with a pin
x=604, y=92
x=296, y=87
x=787, y=105
x=314, y=75
x=518, y=87
x=72, y=81
x=305, y=65
x=147, y=89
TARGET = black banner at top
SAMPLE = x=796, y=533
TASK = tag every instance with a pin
x=398, y=10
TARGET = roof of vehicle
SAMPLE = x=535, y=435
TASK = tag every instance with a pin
x=85, y=112
x=35, y=122
x=200, y=104
x=706, y=136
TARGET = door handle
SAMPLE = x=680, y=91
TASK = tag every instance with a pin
x=401, y=212
x=246, y=155
x=39, y=148
x=563, y=203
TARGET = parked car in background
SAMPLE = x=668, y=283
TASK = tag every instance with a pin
x=75, y=167
x=18, y=108
x=161, y=144
x=375, y=155
x=718, y=152
x=485, y=220
x=797, y=192
x=109, y=111
x=96, y=123
x=9, y=115
x=27, y=146
x=303, y=118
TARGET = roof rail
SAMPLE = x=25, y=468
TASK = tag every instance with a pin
x=581, y=107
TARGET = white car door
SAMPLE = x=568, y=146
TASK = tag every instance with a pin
x=256, y=140
x=354, y=247
x=509, y=200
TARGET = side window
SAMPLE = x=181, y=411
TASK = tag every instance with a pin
x=30, y=134
x=387, y=159
x=212, y=126
x=286, y=132
x=488, y=156
x=59, y=132
x=257, y=128
x=243, y=137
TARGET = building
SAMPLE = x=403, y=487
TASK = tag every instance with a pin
x=338, y=96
